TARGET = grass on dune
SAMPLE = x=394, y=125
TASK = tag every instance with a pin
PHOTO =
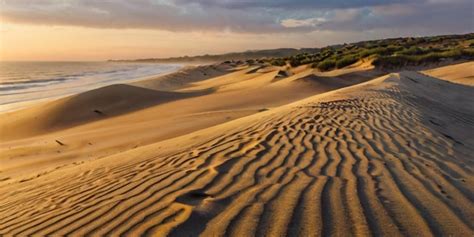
x=386, y=53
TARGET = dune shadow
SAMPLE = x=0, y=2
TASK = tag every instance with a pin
x=106, y=102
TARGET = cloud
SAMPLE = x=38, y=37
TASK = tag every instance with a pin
x=419, y=18
x=309, y=22
x=246, y=16
x=291, y=4
x=138, y=14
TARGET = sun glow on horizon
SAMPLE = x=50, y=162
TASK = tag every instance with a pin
x=23, y=42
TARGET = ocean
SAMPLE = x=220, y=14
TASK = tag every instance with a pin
x=25, y=82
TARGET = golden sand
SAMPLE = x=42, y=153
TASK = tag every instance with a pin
x=248, y=151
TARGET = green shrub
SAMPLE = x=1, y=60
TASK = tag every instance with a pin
x=278, y=62
x=414, y=60
x=346, y=61
x=396, y=52
x=326, y=65
x=301, y=59
x=390, y=61
x=378, y=50
x=294, y=62
x=308, y=60
x=469, y=53
x=412, y=51
x=393, y=48
x=453, y=53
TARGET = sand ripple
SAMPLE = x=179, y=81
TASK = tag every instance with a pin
x=363, y=161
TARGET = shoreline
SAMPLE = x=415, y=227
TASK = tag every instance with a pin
x=70, y=91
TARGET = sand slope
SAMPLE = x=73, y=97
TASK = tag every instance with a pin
x=132, y=115
x=393, y=156
x=98, y=104
x=184, y=77
x=462, y=73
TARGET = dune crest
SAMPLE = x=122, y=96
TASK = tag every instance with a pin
x=114, y=119
x=371, y=159
x=93, y=105
x=462, y=73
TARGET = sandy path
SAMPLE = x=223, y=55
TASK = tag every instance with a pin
x=372, y=159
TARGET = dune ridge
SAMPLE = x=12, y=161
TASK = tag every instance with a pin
x=127, y=119
x=184, y=77
x=83, y=108
x=391, y=156
x=461, y=73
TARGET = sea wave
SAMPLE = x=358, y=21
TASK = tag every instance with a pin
x=29, y=81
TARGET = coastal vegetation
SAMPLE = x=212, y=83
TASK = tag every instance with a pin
x=386, y=53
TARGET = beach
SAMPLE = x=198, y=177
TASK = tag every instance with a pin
x=25, y=83
x=236, y=118
x=240, y=150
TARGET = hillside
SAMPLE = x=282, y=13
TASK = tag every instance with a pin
x=388, y=54
x=252, y=54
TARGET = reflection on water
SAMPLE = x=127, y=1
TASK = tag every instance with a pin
x=23, y=82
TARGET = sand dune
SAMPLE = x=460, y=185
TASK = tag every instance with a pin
x=89, y=106
x=131, y=117
x=184, y=77
x=462, y=73
x=392, y=156
x=116, y=99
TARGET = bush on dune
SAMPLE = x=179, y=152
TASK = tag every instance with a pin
x=379, y=51
x=469, y=53
x=414, y=60
x=412, y=51
x=395, y=52
x=326, y=65
x=278, y=62
x=346, y=61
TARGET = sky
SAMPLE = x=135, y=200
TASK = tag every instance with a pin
x=79, y=30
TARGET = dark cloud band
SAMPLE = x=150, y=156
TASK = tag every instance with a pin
x=257, y=16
